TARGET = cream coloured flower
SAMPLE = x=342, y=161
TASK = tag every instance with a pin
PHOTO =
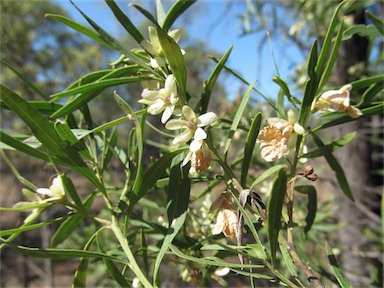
x=56, y=191
x=226, y=220
x=280, y=135
x=192, y=126
x=164, y=99
x=339, y=98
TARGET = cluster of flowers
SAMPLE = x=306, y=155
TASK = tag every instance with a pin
x=166, y=100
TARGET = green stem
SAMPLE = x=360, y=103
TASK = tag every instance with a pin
x=128, y=252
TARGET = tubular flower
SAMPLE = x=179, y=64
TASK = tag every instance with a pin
x=153, y=46
x=339, y=98
x=280, y=135
x=226, y=220
x=192, y=126
x=163, y=100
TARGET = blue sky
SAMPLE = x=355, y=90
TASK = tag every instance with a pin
x=210, y=20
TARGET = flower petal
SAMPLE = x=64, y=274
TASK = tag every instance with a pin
x=298, y=129
x=156, y=107
x=183, y=137
x=206, y=119
x=195, y=145
x=189, y=114
x=354, y=112
x=170, y=85
x=176, y=124
x=167, y=114
x=44, y=191
x=200, y=134
x=150, y=95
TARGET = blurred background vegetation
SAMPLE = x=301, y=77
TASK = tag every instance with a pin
x=52, y=56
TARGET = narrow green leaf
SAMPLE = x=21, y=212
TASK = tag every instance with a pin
x=104, y=127
x=238, y=76
x=335, y=166
x=116, y=44
x=288, y=260
x=39, y=125
x=336, y=269
x=310, y=191
x=67, y=135
x=96, y=86
x=112, y=268
x=310, y=87
x=71, y=223
x=71, y=190
x=146, y=13
x=20, y=146
x=250, y=142
x=178, y=200
x=178, y=188
x=238, y=116
x=30, y=85
x=378, y=22
x=125, y=22
x=266, y=174
x=332, y=59
x=139, y=139
x=275, y=206
x=172, y=232
x=175, y=59
x=210, y=83
x=213, y=261
x=80, y=279
x=331, y=147
x=366, y=82
x=160, y=13
x=30, y=227
x=174, y=12
x=327, y=41
x=156, y=171
x=54, y=253
x=284, y=87
x=45, y=132
x=361, y=30
x=144, y=248
x=370, y=94
x=80, y=28
x=116, y=274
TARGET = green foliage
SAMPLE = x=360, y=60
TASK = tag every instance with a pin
x=153, y=215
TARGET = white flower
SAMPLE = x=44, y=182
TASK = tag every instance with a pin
x=153, y=46
x=340, y=98
x=55, y=192
x=164, y=99
x=280, y=135
x=192, y=126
